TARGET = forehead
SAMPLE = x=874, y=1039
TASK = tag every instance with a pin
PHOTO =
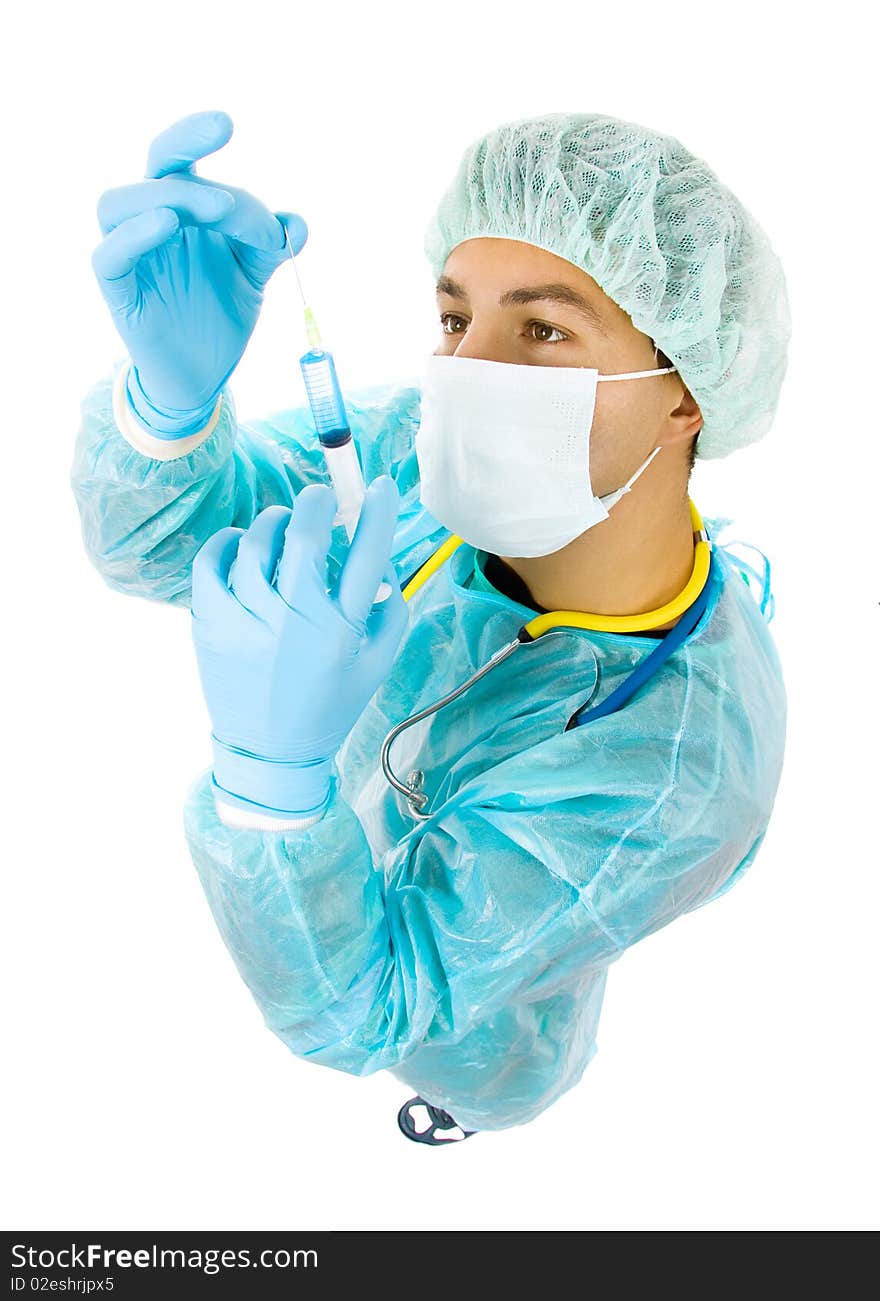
x=487, y=263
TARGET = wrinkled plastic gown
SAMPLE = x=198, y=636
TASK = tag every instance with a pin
x=468, y=953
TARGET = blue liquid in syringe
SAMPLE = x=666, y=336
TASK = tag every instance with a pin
x=325, y=398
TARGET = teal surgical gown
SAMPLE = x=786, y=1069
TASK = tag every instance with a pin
x=466, y=954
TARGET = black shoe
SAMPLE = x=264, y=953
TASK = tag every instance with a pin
x=440, y=1120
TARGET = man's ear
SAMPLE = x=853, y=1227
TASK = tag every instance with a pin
x=688, y=421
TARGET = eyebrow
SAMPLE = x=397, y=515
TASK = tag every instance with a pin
x=557, y=292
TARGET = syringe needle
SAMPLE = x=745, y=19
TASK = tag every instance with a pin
x=312, y=333
x=293, y=260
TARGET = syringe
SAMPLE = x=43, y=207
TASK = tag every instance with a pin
x=331, y=426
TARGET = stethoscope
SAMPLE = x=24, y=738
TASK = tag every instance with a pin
x=689, y=604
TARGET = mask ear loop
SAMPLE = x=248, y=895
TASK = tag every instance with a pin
x=612, y=498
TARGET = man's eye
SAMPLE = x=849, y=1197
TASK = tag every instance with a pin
x=542, y=325
x=449, y=316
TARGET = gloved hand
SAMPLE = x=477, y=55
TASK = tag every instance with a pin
x=183, y=266
x=287, y=667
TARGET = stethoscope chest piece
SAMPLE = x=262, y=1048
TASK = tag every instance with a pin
x=437, y=1120
x=417, y=801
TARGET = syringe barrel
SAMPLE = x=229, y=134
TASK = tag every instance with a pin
x=340, y=453
x=325, y=398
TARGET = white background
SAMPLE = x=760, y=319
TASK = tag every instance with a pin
x=736, y=1081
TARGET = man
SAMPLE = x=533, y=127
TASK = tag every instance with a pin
x=607, y=309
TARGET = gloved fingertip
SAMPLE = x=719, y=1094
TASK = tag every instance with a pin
x=164, y=218
x=314, y=489
x=329, y=503
x=296, y=228
x=276, y=510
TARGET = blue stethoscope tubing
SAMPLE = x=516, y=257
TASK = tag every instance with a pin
x=647, y=667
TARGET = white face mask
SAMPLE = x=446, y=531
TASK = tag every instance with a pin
x=504, y=452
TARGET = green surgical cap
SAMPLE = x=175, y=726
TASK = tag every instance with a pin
x=660, y=235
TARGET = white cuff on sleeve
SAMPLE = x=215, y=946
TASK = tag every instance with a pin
x=158, y=449
x=246, y=819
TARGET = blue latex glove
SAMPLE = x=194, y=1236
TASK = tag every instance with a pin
x=182, y=267
x=287, y=667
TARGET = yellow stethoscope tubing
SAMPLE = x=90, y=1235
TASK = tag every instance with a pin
x=621, y=623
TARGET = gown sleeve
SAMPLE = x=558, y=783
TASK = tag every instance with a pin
x=144, y=519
